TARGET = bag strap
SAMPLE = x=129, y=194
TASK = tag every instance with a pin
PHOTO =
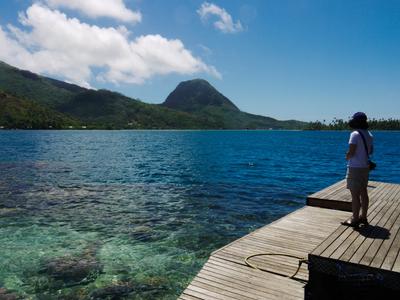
x=364, y=142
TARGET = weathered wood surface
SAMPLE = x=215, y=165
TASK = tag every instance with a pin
x=312, y=231
x=226, y=276
x=338, y=197
x=376, y=245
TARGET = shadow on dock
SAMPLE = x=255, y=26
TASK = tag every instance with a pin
x=374, y=232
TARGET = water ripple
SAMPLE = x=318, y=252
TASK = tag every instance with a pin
x=153, y=205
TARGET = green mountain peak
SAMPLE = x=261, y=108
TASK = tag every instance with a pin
x=30, y=100
x=197, y=94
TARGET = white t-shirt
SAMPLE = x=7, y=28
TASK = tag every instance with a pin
x=360, y=158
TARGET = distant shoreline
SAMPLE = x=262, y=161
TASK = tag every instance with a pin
x=189, y=129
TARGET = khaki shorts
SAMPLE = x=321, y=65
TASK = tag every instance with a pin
x=357, y=178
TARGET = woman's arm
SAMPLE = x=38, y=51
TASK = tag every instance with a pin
x=351, y=151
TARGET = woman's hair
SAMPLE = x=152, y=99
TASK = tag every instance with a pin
x=359, y=121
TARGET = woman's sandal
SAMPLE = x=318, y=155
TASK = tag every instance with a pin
x=363, y=221
x=351, y=223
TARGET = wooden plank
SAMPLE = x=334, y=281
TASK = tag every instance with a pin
x=346, y=238
x=375, y=247
x=208, y=292
x=252, y=249
x=364, y=251
x=325, y=198
x=253, y=279
x=358, y=239
x=221, y=288
x=339, y=197
x=386, y=246
x=257, y=230
x=394, y=249
x=244, y=287
x=326, y=244
x=273, y=266
x=327, y=191
x=349, y=236
x=293, y=244
x=259, y=285
x=366, y=241
x=308, y=230
x=252, y=273
x=393, y=253
x=379, y=220
x=251, y=276
x=328, y=241
x=276, y=237
x=189, y=297
x=279, y=234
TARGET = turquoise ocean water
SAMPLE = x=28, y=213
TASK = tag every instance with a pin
x=135, y=214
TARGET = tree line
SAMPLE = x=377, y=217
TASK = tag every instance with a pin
x=340, y=124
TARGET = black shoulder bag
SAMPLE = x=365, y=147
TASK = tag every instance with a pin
x=371, y=164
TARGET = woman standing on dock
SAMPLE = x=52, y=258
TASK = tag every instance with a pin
x=360, y=147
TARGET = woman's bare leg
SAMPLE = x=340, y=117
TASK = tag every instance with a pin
x=355, y=204
x=364, y=203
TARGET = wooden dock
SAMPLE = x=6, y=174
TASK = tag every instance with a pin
x=312, y=232
x=339, y=198
x=367, y=259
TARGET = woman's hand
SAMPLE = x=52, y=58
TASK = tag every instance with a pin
x=352, y=150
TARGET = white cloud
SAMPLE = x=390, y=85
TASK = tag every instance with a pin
x=225, y=23
x=57, y=45
x=99, y=8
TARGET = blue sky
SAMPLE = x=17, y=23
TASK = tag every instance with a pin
x=294, y=59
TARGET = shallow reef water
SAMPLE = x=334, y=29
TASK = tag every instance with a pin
x=135, y=214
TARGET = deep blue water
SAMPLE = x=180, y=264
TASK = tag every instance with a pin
x=150, y=206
